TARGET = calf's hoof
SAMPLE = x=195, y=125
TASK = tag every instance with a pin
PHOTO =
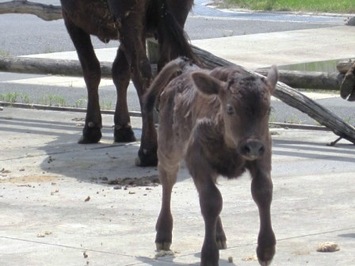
x=147, y=158
x=163, y=246
x=265, y=255
x=221, y=244
x=124, y=134
x=90, y=135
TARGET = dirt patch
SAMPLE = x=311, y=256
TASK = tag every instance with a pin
x=119, y=182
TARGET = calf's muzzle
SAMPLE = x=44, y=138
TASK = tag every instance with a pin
x=251, y=149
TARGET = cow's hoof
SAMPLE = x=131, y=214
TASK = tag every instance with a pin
x=265, y=255
x=124, y=134
x=90, y=135
x=147, y=158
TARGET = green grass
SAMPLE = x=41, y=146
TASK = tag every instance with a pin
x=14, y=97
x=338, y=6
x=50, y=100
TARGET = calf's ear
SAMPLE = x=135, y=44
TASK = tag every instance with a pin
x=272, y=77
x=207, y=84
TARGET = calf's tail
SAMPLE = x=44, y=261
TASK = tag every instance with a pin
x=169, y=72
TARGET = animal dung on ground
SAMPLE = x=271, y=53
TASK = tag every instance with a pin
x=328, y=247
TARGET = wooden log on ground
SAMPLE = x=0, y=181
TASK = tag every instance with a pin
x=295, y=99
x=47, y=66
x=45, y=12
x=308, y=79
x=31, y=65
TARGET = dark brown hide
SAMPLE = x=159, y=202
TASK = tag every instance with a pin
x=218, y=122
x=130, y=22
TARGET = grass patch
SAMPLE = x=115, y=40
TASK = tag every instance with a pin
x=14, y=97
x=339, y=6
x=50, y=100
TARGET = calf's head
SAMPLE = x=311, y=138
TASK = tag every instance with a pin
x=245, y=107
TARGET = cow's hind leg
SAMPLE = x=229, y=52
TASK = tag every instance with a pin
x=92, y=75
x=147, y=154
x=262, y=194
x=121, y=76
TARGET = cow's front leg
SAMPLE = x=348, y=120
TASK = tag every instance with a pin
x=261, y=188
x=121, y=76
x=92, y=75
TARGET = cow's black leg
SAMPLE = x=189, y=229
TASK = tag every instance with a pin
x=261, y=188
x=121, y=76
x=92, y=75
x=134, y=47
x=147, y=154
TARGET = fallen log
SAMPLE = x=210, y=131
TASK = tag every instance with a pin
x=45, y=66
x=43, y=11
x=308, y=79
x=296, y=79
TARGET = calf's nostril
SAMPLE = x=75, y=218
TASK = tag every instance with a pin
x=261, y=150
x=252, y=149
x=246, y=149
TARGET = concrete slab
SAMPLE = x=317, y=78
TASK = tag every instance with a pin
x=58, y=207
x=284, y=48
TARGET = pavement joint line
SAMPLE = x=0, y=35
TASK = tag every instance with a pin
x=315, y=234
x=64, y=246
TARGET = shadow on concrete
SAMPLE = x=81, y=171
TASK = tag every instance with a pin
x=314, y=150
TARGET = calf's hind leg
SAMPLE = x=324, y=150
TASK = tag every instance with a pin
x=164, y=225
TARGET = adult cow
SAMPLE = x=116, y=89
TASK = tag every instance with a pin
x=130, y=22
x=218, y=121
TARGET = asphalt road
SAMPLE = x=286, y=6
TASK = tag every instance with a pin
x=27, y=34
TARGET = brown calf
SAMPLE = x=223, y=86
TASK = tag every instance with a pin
x=218, y=121
x=130, y=22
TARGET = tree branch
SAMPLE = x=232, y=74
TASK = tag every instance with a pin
x=45, y=12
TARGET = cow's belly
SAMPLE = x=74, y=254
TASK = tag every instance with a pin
x=95, y=18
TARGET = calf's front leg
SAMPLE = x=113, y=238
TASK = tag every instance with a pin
x=211, y=206
x=261, y=189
